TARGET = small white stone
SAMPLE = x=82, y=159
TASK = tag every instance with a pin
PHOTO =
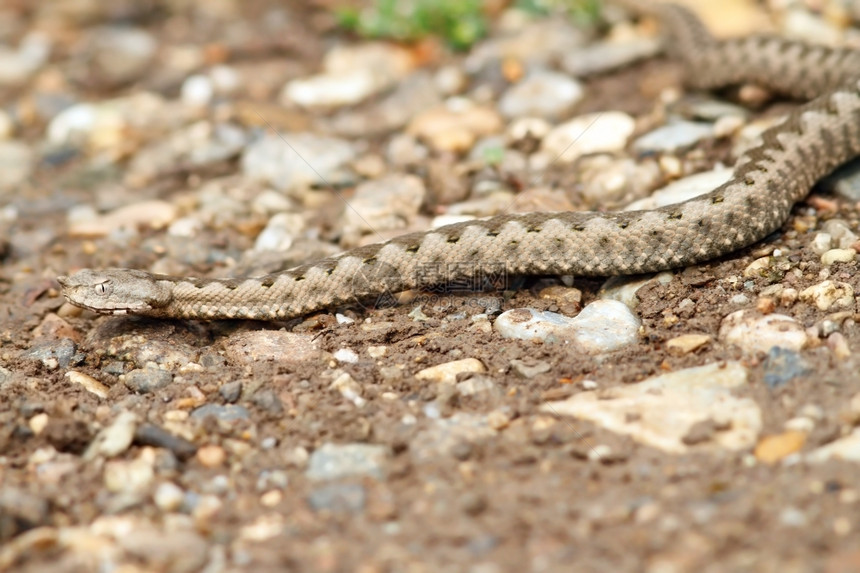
x=754, y=333
x=541, y=94
x=828, y=294
x=89, y=383
x=447, y=373
x=660, y=411
x=683, y=189
x=821, y=243
x=347, y=355
x=348, y=388
x=602, y=132
x=847, y=448
x=168, y=496
x=114, y=439
x=672, y=137
x=602, y=326
x=280, y=232
x=197, y=90
x=838, y=256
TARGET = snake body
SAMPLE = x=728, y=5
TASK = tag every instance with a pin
x=767, y=180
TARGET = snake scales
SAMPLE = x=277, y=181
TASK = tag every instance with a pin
x=767, y=181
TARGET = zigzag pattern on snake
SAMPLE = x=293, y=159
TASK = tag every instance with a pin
x=767, y=180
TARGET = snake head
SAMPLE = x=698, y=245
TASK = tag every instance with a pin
x=116, y=291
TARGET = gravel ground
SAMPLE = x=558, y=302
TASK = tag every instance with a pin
x=700, y=420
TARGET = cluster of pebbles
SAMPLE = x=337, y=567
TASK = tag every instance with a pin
x=234, y=140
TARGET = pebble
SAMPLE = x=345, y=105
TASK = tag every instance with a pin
x=537, y=44
x=839, y=345
x=801, y=24
x=475, y=385
x=231, y=391
x=89, y=383
x=339, y=498
x=456, y=126
x=133, y=476
x=350, y=75
x=782, y=365
x=601, y=132
x=530, y=370
x=692, y=396
x=348, y=388
x=602, y=326
x=335, y=461
x=197, y=90
x=211, y=456
x=120, y=54
x=21, y=511
x=150, y=214
x=291, y=161
x=18, y=66
x=106, y=126
x=280, y=232
x=683, y=189
x=223, y=413
x=772, y=449
x=389, y=203
x=146, y=380
x=601, y=57
x=446, y=436
x=841, y=232
x=115, y=438
x=687, y=343
x=168, y=496
x=846, y=448
x=845, y=181
x=255, y=346
x=447, y=373
x=829, y=294
x=755, y=333
x=53, y=354
x=821, y=243
x=623, y=289
x=542, y=94
x=346, y=355
x=673, y=137
x=17, y=161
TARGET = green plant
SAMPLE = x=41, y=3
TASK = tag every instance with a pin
x=459, y=22
x=582, y=12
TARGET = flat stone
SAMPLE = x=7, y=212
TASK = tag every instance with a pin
x=602, y=132
x=146, y=380
x=274, y=345
x=447, y=373
x=662, y=411
x=755, y=333
x=602, y=326
x=335, y=461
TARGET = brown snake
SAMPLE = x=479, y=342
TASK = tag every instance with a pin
x=767, y=181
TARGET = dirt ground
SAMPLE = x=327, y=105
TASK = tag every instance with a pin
x=530, y=496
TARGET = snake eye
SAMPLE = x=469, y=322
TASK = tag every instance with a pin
x=102, y=289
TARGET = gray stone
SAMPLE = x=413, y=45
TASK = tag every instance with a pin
x=231, y=391
x=54, y=353
x=333, y=461
x=339, y=498
x=227, y=413
x=783, y=365
x=147, y=380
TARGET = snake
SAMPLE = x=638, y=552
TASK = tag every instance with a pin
x=767, y=180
